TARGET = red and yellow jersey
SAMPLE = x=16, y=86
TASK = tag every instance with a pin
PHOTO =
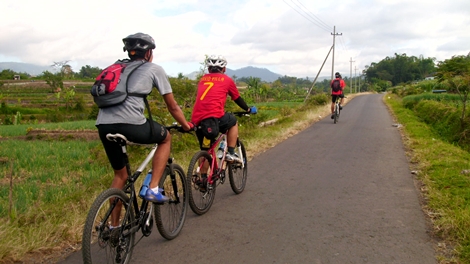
x=212, y=91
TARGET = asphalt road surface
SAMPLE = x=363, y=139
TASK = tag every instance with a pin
x=334, y=193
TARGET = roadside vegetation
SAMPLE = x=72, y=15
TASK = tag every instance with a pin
x=436, y=129
x=52, y=168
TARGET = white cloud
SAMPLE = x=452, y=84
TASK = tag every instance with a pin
x=290, y=37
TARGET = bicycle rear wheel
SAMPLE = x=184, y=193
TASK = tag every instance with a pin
x=238, y=172
x=336, y=113
x=201, y=196
x=170, y=216
x=102, y=244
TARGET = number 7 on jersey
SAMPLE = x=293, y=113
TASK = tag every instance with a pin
x=209, y=86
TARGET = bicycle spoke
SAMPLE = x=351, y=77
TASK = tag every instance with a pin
x=102, y=242
x=201, y=196
x=170, y=216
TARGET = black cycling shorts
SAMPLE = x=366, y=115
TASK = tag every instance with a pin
x=225, y=122
x=333, y=97
x=134, y=133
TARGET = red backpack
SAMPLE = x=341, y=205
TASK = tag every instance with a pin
x=110, y=87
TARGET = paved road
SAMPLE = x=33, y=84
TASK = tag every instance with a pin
x=334, y=193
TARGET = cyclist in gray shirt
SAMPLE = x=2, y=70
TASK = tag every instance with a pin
x=128, y=117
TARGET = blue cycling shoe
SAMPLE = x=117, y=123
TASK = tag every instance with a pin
x=158, y=197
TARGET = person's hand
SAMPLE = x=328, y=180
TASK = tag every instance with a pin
x=191, y=126
x=253, y=110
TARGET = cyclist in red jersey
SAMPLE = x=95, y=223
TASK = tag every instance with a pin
x=212, y=92
x=339, y=94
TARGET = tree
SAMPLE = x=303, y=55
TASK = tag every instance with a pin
x=55, y=81
x=63, y=69
x=456, y=72
x=88, y=72
x=400, y=69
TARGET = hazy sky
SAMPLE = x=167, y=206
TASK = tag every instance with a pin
x=289, y=37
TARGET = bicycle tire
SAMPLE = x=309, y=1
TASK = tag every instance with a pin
x=336, y=114
x=199, y=201
x=170, y=217
x=101, y=246
x=238, y=174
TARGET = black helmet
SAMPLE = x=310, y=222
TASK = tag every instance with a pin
x=337, y=75
x=138, y=41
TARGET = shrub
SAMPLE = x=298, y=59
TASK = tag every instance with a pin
x=318, y=99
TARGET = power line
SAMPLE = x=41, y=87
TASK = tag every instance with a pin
x=314, y=16
x=308, y=17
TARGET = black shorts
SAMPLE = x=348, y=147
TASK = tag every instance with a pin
x=225, y=122
x=334, y=96
x=135, y=133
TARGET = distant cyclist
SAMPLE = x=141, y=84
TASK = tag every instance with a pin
x=212, y=92
x=337, y=87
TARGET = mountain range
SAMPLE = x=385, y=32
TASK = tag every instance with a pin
x=262, y=73
x=28, y=68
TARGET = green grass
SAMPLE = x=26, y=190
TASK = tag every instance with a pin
x=446, y=188
x=22, y=129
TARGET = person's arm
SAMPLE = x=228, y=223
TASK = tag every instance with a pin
x=241, y=103
x=175, y=111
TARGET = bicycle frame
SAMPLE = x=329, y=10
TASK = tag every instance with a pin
x=140, y=211
x=218, y=165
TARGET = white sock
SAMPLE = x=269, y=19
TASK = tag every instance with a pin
x=155, y=190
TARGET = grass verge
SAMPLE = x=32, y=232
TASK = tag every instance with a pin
x=442, y=168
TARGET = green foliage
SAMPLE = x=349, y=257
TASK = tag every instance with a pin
x=456, y=73
x=184, y=91
x=318, y=99
x=88, y=72
x=412, y=100
x=400, y=69
x=8, y=74
x=55, y=81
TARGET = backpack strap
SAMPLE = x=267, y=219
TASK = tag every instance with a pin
x=141, y=95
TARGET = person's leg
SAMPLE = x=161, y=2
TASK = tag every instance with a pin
x=228, y=123
x=116, y=159
x=120, y=178
x=159, y=161
x=232, y=135
x=143, y=134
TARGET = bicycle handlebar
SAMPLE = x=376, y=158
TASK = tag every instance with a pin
x=179, y=128
x=242, y=113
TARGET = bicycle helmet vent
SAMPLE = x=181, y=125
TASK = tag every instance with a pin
x=138, y=41
x=216, y=61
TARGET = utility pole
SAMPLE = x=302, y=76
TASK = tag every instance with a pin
x=333, y=58
x=350, y=75
x=316, y=77
x=355, y=79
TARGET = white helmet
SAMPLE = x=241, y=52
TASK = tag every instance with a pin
x=216, y=61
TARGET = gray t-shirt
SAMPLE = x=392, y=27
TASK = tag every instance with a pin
x=131, y=111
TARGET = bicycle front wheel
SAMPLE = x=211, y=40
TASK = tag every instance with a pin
x=336, y=113
x=170, y=216
x=238, y=172
x=101, y=242
x=201, y=195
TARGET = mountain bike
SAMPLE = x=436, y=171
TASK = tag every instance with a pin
x=337, y=110
x=102, y=243
x=201, y=187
